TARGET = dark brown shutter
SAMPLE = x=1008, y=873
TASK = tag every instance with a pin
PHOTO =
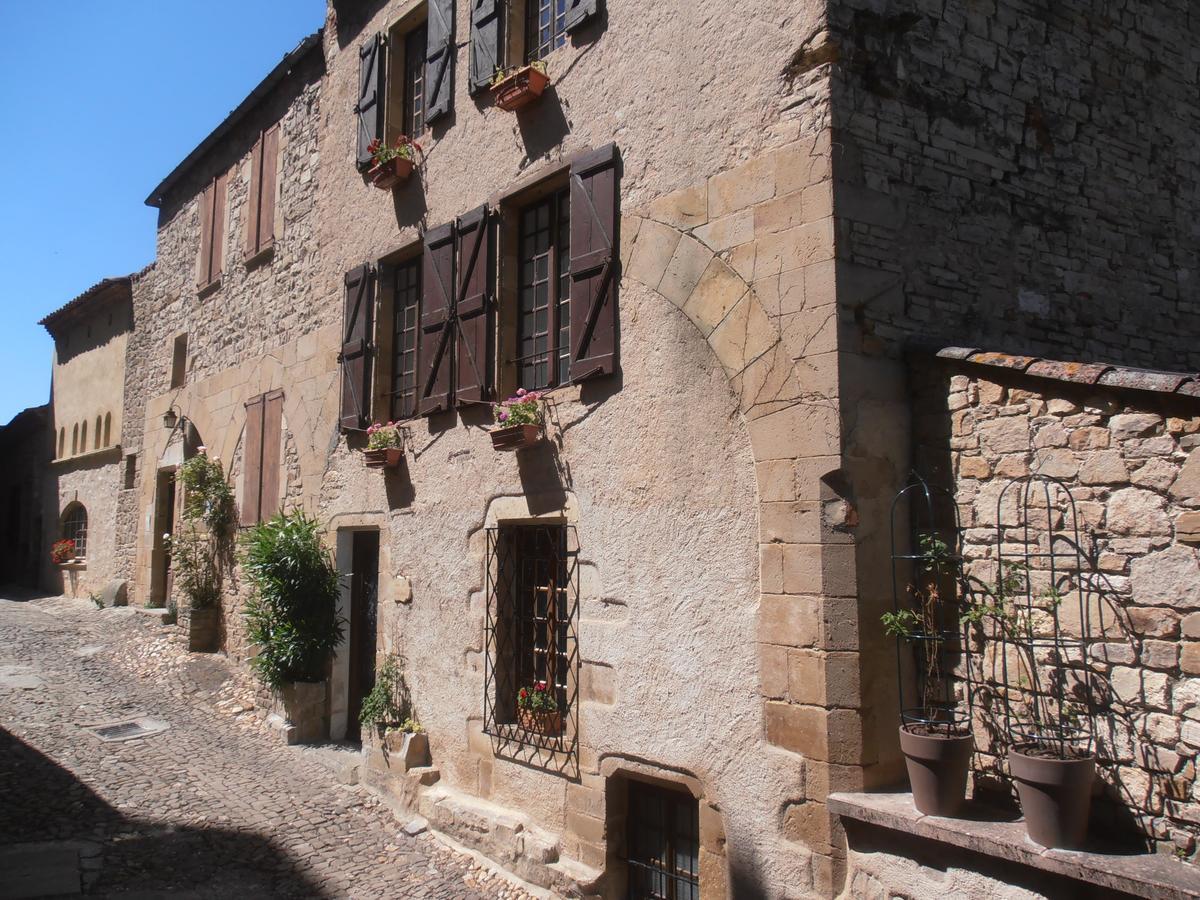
x=253, y=199
x=356, y=348
x=272, y=437
x=437, y=310
x=372, y=86
x=594, y=276
x=270, y=169
x=218, y=226
x=204, y=275
x=439, y=59
x=472, y=313
x=485, y=42
x=252, y=447
x=580, y=12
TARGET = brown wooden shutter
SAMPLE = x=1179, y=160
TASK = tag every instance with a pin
x=372, y=87
x=253, y=200
x=580, y=12
x=439, y=59
x=594, y=263
x=437, y=311
x=218, y=226
x=356, y=347
x=485, y=42
x=260, y=201
x=252, y=447
x=272, y=437
x=204, y=275
x=473, y=310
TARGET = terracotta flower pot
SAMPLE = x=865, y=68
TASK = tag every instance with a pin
x=937, y=766
x=387, y=458
x=540, y=722
x=520, y=88
x=386, y=176
x=1055, y=795
x=516, y=437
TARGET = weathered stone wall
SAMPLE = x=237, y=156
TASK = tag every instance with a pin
x=94, y=483
x=1019, y=176
x=1128, y=459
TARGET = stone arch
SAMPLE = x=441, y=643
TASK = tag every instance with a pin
x=788, y=398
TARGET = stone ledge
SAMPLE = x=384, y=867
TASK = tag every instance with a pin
x=1141, y=875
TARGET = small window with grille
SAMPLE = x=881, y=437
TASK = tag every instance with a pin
x=663, y=841
x=532, y=648
x=544, y=293
x=74, y=528
x=545, y=27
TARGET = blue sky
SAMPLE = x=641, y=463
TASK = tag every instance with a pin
x=101, y=101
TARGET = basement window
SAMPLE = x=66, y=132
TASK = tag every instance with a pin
x=663, y=838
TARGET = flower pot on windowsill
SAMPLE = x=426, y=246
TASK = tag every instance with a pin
x=516, y=437
x=387, y=458
x=520, y=88
x=548, y=723
x=386, y=176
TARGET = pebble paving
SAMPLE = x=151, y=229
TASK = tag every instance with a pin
x=215, y=806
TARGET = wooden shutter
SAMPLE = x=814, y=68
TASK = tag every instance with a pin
x=372, y=86
x=218, y=226
x=252, y=447
x=204, y=274
x=272, y=438
x=266, y=191
x=580, y=12
x=356, y=347
x=594, y=210
x=437, y=310
x=253, y=200
x=439, y=59
x=485, y=42
x=472, y=313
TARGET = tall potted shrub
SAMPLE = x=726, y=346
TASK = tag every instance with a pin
x=200, y=549
x=291, y=615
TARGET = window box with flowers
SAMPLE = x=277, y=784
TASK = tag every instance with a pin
x=517, y=87
x=537, y=710
x=385, y=446
x=521, y=420
x=62, y=552
x=392, y=165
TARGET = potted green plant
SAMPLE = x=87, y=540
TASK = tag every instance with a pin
x=385, y=446
x=392, y=164
x=519, y=86
x=291, y=617
x=537, y=709
x=62, y=552
x=521, y=421
x=387, y=711
x=200, y=547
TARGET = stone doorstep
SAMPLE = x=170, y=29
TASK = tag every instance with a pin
x=1142, y=875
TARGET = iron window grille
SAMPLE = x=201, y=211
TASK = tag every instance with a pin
x=406, y=319
x=74, y=528
x=414, y=81
x=531, y=632
x=545, y=27
x=663, y=836
x=544, y=293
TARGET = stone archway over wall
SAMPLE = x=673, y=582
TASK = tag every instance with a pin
x=786, y=382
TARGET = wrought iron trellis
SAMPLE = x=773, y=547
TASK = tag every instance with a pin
x=1041, y=573
x=932, y=571
x=531, y=633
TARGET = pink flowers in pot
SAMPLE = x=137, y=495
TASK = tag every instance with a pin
x=523, y=409
x=383, y=437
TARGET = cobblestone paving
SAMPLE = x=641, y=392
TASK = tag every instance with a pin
x=214, y=806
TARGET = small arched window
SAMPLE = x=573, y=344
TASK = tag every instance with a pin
x=74, y=527
x=75, y=439
x=99, y=432
x=108, y=429
x=62, y=442
x=83, y=437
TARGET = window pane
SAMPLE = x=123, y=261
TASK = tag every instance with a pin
x=404, y=342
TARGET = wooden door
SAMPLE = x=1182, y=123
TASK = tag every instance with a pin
x=364, y=593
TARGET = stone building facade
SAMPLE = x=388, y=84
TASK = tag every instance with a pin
x=24, y=449
x=731, y=400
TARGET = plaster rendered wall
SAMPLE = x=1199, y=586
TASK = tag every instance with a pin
x=88, y=379
x=1130, y=462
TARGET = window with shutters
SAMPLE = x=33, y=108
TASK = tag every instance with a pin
x=544, y=293
x=407, y=49
x=545, y=27
x=507, y=32
x=262, y=443
x=212, y=234
x=75, y=527
x=406, y=323
x=261, y=197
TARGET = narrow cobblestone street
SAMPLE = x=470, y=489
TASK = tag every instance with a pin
x=214, y=806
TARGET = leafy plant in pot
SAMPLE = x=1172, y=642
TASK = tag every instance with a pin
x=385, y=446
x=392, y=164
x=387, y=709
x=934, y=737
x=537, y=709
x=521, y=420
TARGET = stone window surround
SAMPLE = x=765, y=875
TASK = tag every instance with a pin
x=410, y=17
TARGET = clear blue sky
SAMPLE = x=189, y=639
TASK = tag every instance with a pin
x=101, y=100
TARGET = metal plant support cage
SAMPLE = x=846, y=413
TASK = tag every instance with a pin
x=531, y=632
x=929, y=571
x=1043, y=581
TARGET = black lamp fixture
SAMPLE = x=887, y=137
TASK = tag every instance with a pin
x=171, y=418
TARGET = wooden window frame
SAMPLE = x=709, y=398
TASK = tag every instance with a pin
x=673, y=883
x=76, y=531
x=400, y=69
x=557, y=308
x=543, y=39
x=405, y=284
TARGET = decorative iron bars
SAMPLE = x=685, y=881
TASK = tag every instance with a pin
x=532, y=637
x=929, y=591
x=1040, y=613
